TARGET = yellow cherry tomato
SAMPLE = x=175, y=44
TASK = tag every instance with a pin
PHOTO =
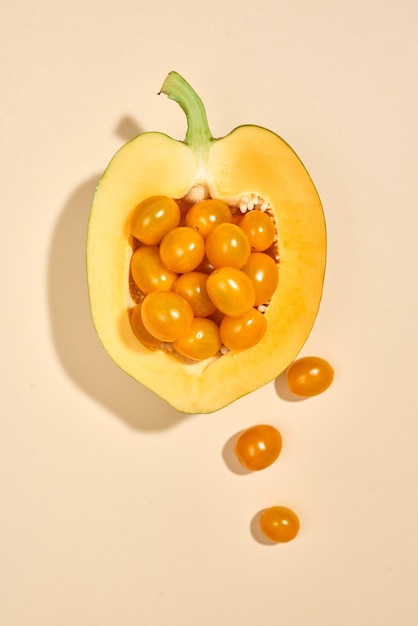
x=201, y=341
x=182, y=249
x=309, y=376
x=258, y=447
x=231, y=291
x=245, y=331
x=259, y=228
x=153, y=218
x=148, y=271
x=228, y=245
x=279, y=524
x=192, y=287
x=166, y=315
x=140, y=331
x=264, y=273
x=206, y=214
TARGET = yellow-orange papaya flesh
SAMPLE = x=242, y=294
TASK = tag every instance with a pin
x=250, y=159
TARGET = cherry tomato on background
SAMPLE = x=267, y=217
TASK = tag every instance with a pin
x=279, y=524
x=309, y=376
x=258, y=447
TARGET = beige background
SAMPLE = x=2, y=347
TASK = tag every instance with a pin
x=115, y=510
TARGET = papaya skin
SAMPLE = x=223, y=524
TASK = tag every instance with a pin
x=249, y=160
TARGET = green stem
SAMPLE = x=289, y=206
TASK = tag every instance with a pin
x=198, y=135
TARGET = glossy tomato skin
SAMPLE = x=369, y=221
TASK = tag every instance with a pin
x=166, y=315
x=153, y=218
x=258, y=447
x=279, y=524
x=309, y=376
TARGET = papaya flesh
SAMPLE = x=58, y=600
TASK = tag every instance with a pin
x=249, y=162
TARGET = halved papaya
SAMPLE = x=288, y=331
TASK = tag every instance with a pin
x=251, y=167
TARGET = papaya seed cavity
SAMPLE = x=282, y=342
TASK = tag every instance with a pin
x=220, y=259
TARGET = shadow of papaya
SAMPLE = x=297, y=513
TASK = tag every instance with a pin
x=75, y=340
